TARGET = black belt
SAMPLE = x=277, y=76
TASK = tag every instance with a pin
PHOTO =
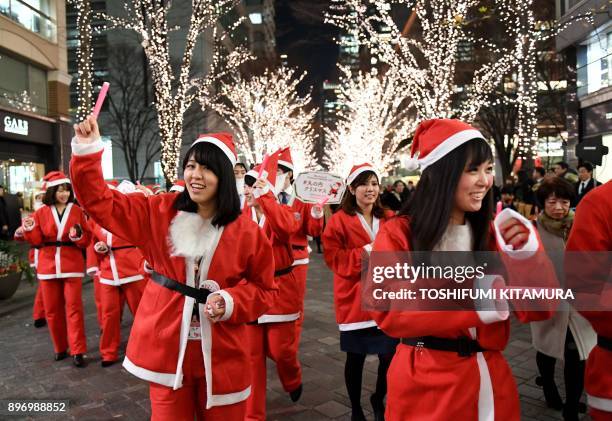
x=200, y=295
x=298, y=247
x=463, y=346
x=59, y=244
x=282, y=272
x=122, y=247
x=605, y=343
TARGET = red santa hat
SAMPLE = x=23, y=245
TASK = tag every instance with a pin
x=435, y=138
x=358, y=169
x=43, y=187
x=178, y=186
x=223, y=141
x=55, y=178
x=284, y=158
x=269, y=172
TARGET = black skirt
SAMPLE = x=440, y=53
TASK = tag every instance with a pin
x=371, y=340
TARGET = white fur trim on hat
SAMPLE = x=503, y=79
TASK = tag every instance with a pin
x=58, y=182
x=285, y=164
x=177, y=188
x=218, y=143
x=448, y=145
x=352, y=176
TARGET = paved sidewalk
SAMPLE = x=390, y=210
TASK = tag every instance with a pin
x=27, y=369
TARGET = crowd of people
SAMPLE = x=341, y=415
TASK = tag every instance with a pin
x=215, y=271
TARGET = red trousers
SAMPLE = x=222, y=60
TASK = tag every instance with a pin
x=301, y=272
x=38, y=312
x=279, y=342
x=64, y=311
x=189, y=401
x=110, y=306
x=96, y=288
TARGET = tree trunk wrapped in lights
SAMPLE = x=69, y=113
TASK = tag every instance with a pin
x=84, y=58
x=266, y=113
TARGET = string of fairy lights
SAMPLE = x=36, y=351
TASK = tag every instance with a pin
x=267, y=113
x=428, y=65
x=84, y=54
x=371, y=123
x=174, y=94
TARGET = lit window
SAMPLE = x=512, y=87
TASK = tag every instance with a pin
x=256, y=18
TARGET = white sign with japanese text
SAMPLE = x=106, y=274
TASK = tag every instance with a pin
x=318, y=186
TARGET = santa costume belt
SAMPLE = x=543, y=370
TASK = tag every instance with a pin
x=300, y=248
x=283, y=271
x=463, y=346
x=59, y=244
x=200, y=295
x=605, y=343
x=122, y=247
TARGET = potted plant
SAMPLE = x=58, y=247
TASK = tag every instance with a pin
x=13, y=268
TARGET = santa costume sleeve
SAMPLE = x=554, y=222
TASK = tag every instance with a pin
x=281, y=219
x=342, y=260
x=109, y=208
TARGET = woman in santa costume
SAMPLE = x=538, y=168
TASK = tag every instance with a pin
x=274, y=334
x=592, y=231
x=60, y=230
x=449, y=365
x=202, y=252
x=38, y=311
x=311, y=217
x=347, y=238
x=121, y=277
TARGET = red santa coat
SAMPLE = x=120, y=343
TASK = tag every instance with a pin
x=443, y=385
x=279, y=223
x=345, y=239
x=123, y=263
x=237, y=263
x=311, y=226
x=592, y=231
x=64, y=261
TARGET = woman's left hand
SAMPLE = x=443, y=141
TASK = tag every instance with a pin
x=514, y=233
x=215, y=307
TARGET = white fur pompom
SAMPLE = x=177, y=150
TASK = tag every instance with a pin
x=412, y=164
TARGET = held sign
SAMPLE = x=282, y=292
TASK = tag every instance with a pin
x=317, y=186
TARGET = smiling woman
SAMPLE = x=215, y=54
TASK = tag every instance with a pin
x=213, y=272
x=451, y=362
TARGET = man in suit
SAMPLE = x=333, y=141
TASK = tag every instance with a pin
x=586, y=181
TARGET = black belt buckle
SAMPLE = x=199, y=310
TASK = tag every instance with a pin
x=464, y=348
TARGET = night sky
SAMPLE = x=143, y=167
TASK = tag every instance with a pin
x=307, y=41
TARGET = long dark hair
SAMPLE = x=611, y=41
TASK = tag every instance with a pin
x=49, y=198
x=349, y=200
x=228, y=202
x=431, y=204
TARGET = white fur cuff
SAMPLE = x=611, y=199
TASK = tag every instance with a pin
x=86, y=149
x=229, y=304
x=92, y=270
x=529, y=249
x=490, y=310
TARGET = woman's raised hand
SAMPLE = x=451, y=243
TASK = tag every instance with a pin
x=87, y=131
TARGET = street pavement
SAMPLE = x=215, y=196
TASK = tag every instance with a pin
x=28, y=371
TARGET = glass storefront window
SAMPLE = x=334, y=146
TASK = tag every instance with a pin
x=603, y=172
x=594, y=61
x=34, y=15
x=22, y=177
x=22, y=86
